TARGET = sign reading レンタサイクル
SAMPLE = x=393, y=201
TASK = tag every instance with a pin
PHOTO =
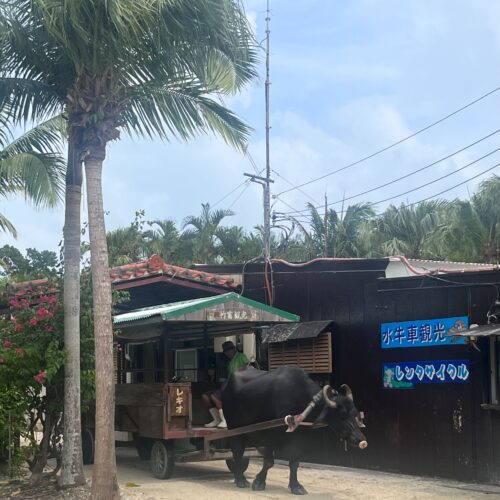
x=407, y=374
x=422, y=333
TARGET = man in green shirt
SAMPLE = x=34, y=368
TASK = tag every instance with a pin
x=238, y=362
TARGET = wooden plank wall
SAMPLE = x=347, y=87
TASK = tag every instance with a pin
x=411, y=431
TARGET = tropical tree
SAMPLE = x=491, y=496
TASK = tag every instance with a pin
x=203, y=231
x=471, y=229
x=34, y=84
x=164, y=239
x=408, y=229
x=30, y=165
x=144, y=67
x=336, y=235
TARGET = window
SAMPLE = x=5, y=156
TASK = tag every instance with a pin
x=186, y=364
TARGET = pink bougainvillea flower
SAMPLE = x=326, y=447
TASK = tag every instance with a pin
x=33, y=322
x=19, y=328
x=48, y=328
x=42, y=312
x=20, y=352
x=24, y=303
x=14, y=303
x=52, y=299
x=7, y=344
x=40, y=377
x=13, y=319
x=2, y=361
x=44, y=298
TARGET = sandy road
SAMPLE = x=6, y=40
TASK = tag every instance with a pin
x=212, y=480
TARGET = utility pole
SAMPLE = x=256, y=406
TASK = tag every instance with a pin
x=266, y=181
x=325, y=223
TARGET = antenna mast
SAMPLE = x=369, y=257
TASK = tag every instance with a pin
x=267, y=188
x=266, y=181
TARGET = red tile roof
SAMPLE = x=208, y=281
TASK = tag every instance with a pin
x=156, y=266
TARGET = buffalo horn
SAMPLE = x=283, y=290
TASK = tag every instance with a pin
x=327, y=390
x=346, y=390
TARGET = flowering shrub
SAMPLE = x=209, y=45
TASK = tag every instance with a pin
x=31, y=364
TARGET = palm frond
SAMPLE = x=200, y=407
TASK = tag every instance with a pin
x=7, y=226
x=181, y=111
x=40, y=176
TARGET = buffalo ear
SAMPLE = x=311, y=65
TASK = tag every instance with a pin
x=346, y=391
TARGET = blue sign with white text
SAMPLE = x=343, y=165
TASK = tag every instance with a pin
x=407, y=374
x=422, y=333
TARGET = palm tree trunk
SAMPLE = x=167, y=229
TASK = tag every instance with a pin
x=104, y=481
x=72, y=463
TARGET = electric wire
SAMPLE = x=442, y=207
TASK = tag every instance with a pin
x=390, y=146
x=293, y=185
x=413, y=172
x=455, y=186
x=399, y=195
x=438, y=179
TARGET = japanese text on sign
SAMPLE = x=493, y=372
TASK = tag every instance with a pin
x=180, y=402
x=407, y=374
x=231, y=315
x=421, y=333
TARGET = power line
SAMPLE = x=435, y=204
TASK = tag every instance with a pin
x=455, y=186
x=247, y=182
x=413, y=189
x=421, y=169
x=438, y=179
x=228, y=194
x=293, y=185
x=378, y=152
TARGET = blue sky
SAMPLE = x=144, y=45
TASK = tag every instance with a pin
x=347, y=79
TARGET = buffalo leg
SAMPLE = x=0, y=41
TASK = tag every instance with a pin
x=295, y=487
x=238, y=448
x=259, y=482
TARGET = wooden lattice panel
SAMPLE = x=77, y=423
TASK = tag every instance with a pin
x=314, y=355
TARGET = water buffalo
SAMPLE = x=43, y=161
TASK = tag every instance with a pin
x=255, y=396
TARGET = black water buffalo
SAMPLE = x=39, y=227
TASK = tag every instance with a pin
x=253, y=396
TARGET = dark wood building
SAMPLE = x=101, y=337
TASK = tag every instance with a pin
x=450, y=428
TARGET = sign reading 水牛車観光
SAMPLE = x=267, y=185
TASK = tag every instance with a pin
x=422, y=333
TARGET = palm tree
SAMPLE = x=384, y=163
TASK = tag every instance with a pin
x=408, y=230
x=470, y=230
x=144, y=67
x=203, y=231
x=31, y=166
x=338, y=235
x=163, y=239
x=34, y=84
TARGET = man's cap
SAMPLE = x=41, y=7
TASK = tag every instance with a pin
x=227, y=346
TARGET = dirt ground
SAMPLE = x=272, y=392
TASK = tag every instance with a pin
x=212, y=480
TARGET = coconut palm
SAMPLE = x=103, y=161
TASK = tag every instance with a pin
x=31, y=166
x=203, y=231
x=471, y=229
x=338, y=235
x=144, y=67
x=163, y=239
x=408, y=230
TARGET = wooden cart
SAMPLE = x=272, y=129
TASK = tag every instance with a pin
x=166, y=419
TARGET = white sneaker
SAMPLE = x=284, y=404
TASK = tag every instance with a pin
x=216, y=419
x=222, y=421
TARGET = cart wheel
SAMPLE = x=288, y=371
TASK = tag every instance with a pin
x=162, y=460
x=230, y=464
x=143, y=447
x=88, y=446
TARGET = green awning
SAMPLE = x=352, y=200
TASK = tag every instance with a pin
x=227, y=308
